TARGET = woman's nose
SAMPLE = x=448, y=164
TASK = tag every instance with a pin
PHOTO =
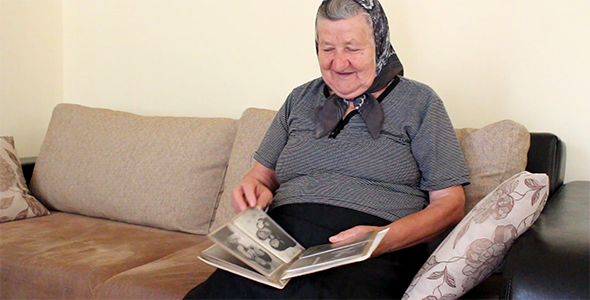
x=340, y=62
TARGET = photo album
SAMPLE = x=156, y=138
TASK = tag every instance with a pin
x=252, y=245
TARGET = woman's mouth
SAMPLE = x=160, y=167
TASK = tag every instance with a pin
x=343, y=74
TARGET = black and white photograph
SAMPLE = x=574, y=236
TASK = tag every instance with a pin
x=221, y=258
x=268, y=233
x=243, y=246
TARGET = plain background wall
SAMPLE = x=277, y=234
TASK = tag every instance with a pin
x=489, y=60
x=31, y=74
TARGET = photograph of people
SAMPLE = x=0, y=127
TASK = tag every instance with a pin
x=244, y=247
x=358, y=149
x=270, y=236
x=277, y=239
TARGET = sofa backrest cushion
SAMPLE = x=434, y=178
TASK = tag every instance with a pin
x=493, y=154
x=164, y=172
x=253, y=125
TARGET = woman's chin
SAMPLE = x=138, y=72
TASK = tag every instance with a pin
x=346, y=91
x=349, y=94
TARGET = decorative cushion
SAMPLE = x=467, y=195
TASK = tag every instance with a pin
x=493, y=154
x=15, y=201
x=253, y=126
x=164, y=172
x=478, y=244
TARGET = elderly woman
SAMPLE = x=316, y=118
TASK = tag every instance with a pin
x=359, y=149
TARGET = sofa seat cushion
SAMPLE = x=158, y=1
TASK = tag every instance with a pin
x=63, y=255
x=171, y=277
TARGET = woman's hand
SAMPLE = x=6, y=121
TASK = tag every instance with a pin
x=446, y=209
x=352, y=233
x=249, y=193
x=256, y=188
x=356, y=232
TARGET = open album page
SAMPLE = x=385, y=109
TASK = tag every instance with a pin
x=328, y=256
x=259, y=242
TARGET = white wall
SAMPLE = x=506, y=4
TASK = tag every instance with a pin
x=489, y=59
x=497, y=59
x=185, y=57
x=31, y=81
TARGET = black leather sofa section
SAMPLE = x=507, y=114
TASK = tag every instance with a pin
x=547, y=155
x=28, y=164
x=552, y=259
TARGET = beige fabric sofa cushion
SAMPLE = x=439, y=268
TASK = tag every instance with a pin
x=165, y=172
x=493, y=154
x=68, y=256
x=170, y=277
x=253, y=126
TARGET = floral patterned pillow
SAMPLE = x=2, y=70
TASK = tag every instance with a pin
x=478, y=244
x=15, y=201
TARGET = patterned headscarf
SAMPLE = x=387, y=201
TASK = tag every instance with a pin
x=388, y=66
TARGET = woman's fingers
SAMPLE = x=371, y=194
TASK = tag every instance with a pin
x=351, y=233
x=249, y=194
x=264, y=198
x=239, y=199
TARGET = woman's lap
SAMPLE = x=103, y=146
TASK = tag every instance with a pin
x=386, y=276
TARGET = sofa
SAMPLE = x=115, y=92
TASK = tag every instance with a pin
x=129, y=200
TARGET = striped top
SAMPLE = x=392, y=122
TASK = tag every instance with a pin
x=417, y=151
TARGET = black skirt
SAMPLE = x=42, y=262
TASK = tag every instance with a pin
x=383, y=277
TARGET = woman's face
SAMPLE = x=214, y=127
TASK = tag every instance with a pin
x=346, y=52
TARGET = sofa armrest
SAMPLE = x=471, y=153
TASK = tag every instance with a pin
x=28, y=164
x=547, y=155
x=551, y=260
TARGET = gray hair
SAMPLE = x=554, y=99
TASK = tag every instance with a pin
x=335, y=10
